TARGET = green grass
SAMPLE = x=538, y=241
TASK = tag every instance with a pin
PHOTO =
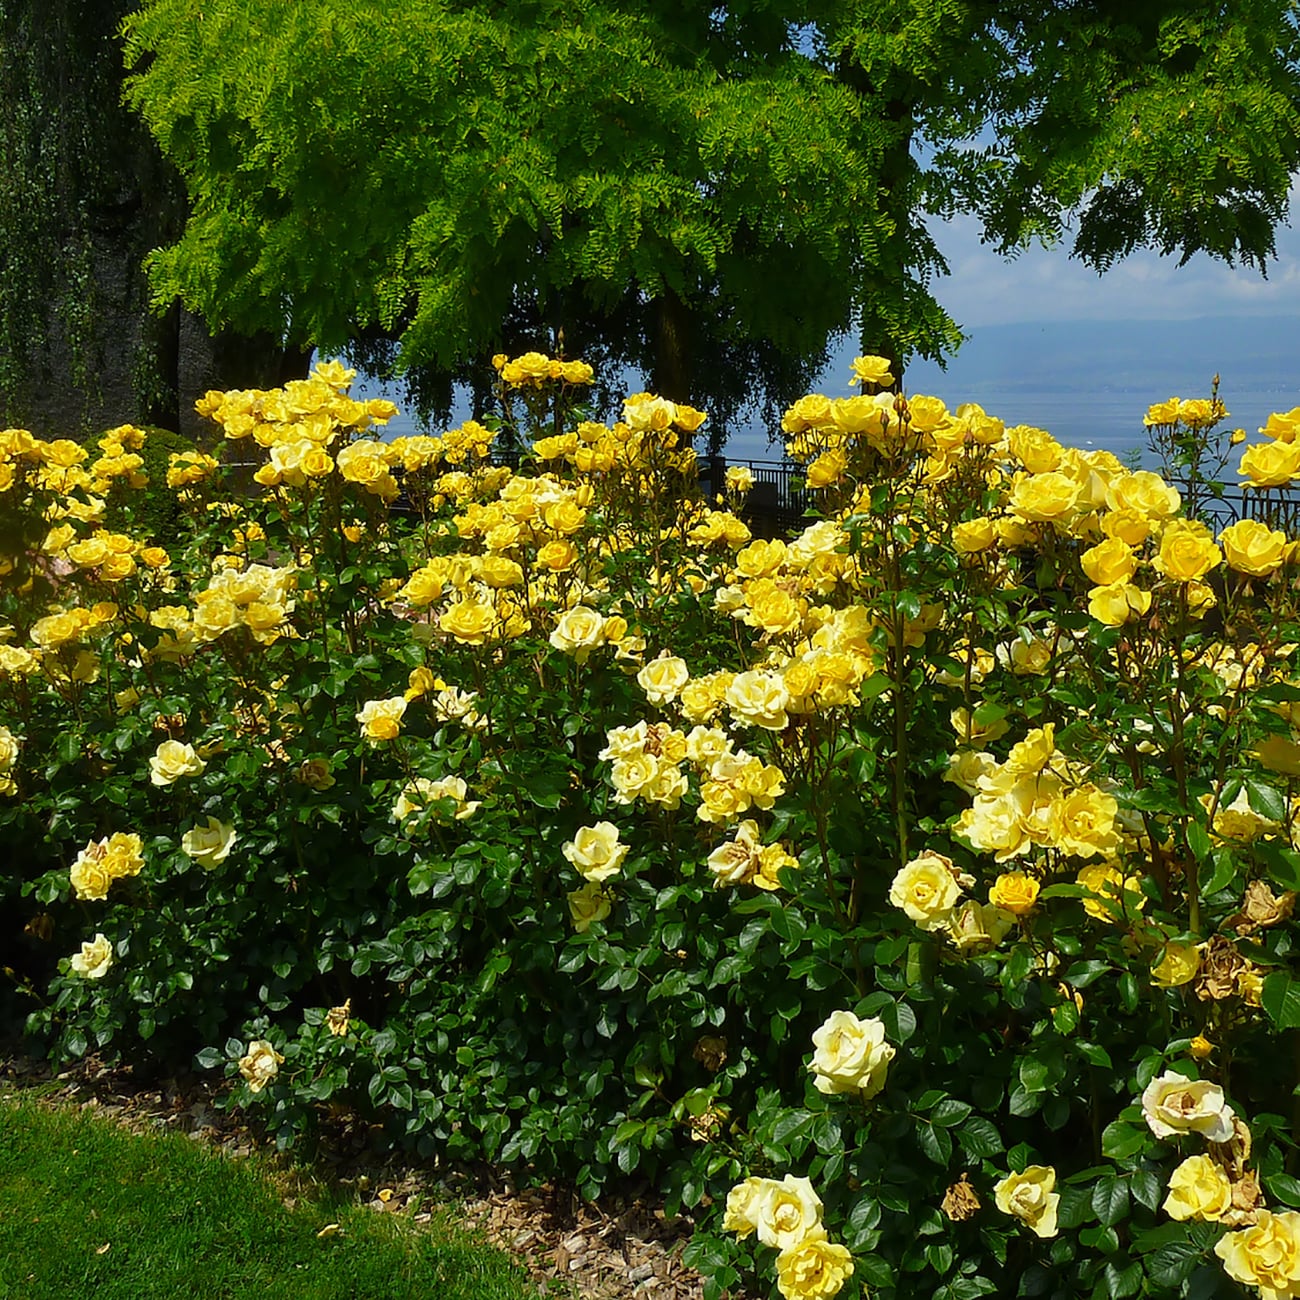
x=178, y=1219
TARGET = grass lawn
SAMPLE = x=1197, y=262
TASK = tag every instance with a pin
x=88, y=1209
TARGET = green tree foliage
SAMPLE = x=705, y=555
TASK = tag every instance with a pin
x=712, y=194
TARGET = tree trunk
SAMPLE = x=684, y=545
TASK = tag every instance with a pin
x=671, y=377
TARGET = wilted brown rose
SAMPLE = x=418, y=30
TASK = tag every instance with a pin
x=41, y=926
x=960, y=1201
x=1221, y=964
x=711, y=1053
x=1232, y=1155
x=1247, y=1201
x=1261, y=907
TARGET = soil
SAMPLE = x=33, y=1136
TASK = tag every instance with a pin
x=621, y=1247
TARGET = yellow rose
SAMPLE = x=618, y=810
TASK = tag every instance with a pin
x=787, y=1212
x=971, y=732
x=1029, y=1197
x=1187, y=551
x=1198, y=1189
x=872, y=370
x=588, y=904
x=578, y=631
x=827, y=469
x=470, y=621
x=596, y=852
x=1043, y=498
x=1114, y=890
x=557, y=556
x=737, y=861
x=1253, y=548
x=741, y=1215
x=315, y=774
x=1145, y=494
x=1118, y=602
x=1265, y=1255
x=1162, y=413
x=1173, y=1104
x=926, y=889
x=772, y=609
x=1270, y=464
x=94, y=959
x=564, y=517
x=1111, y=561
x=499, y=571
x=813, y=1269
x=811, y=412
x=1082, y=823
x=173, y=760
x=851, y=1055
x=90, y=874
x=209, y=844
x=975, y=927
x=381, y=720
x=974, y=536
x=260, y=1064
x=1015, y=892
x=772, y=860
x=1178, y=964
x=1035, y=449
x=759, y=699
x=662, y=679
x=1026, y=658
x=422, y=793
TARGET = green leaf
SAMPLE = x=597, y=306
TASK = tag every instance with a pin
x=1281, y=999
x=979, y=1137
x=935, y=1142
x=1122, y=1277
x=1082, y=973
x=1285, y=1188
x=1146, y=1188
x=1172, y=1265
x=1110, y=1200
x=1266, y=800
x=1224, y=872
x=1198, y=840
x=1121, y=1141
x=949, y=1112
x=1035, y=1074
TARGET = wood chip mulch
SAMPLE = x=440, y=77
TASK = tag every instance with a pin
x=621, y=1247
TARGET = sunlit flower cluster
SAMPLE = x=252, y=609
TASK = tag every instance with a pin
x=787, y=1216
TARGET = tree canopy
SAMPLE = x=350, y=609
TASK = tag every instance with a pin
x=713, y=194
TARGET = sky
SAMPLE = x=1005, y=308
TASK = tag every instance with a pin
x=1048, y=285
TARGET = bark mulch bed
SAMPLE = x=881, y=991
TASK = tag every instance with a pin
x=622, y=1247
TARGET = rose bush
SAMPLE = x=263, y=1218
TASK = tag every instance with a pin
x=940, y=857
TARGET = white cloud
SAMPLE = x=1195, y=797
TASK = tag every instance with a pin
x=1048, y=285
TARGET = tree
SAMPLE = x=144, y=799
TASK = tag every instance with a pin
x=712, y=194
x=84, y=195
